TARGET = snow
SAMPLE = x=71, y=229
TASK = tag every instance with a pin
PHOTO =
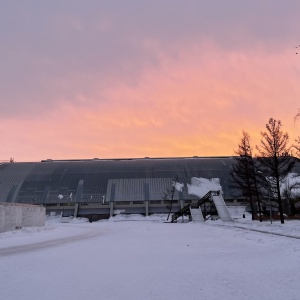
x=292, y=184
x=179, y=186
x=201, y=186
x=137, y=257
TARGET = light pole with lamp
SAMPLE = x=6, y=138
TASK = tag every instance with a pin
x=269, y=193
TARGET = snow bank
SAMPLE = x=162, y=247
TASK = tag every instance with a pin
x=201, y=186
x=179, y=186
x=137, y=217
x=292, y=184
x=57, y=219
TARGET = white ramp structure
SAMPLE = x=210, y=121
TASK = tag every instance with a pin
x=196, y=214
x=221, y=207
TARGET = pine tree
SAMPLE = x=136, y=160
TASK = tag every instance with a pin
x=243, y=173
x=274, y=157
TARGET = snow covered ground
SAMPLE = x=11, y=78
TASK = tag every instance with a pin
x=136, y=257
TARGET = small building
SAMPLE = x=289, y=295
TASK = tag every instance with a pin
x=16, y=215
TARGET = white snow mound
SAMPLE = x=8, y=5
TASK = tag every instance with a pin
x=201, y=186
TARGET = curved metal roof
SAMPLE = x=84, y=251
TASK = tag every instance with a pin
x=106, y=180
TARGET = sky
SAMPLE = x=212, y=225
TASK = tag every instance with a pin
x=117, y=79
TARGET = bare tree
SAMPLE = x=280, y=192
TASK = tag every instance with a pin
x=243, y=176
x=169, y=194
x=274, y=157
x=297, y=145
x=297, y=116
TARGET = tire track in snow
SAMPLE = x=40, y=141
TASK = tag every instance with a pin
x=47, y=244
x=261, y=231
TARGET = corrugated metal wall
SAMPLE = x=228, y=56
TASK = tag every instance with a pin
x=90, y=181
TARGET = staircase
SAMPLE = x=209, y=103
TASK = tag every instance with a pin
x=207, y=206
x=204, y=199
x=210, y=205
x=182, y=212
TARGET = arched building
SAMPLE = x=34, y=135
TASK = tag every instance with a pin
x=96, y=188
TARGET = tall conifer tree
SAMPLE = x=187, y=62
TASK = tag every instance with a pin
x=243, y=173
x=274, y=157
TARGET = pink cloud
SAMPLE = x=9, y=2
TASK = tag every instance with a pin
x=196, y=103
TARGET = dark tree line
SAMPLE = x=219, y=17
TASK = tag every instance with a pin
x=270, y=167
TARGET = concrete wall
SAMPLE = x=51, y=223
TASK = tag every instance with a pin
x=14, y=216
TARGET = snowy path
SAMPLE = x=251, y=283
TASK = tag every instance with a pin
x=151, y=260
x=46, y=244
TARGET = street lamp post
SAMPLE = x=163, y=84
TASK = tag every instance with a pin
x=269, y=188
x=269, y=193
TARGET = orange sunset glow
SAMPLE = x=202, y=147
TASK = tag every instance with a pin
x=108, y=81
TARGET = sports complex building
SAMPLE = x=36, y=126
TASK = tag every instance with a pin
x=99, y=188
